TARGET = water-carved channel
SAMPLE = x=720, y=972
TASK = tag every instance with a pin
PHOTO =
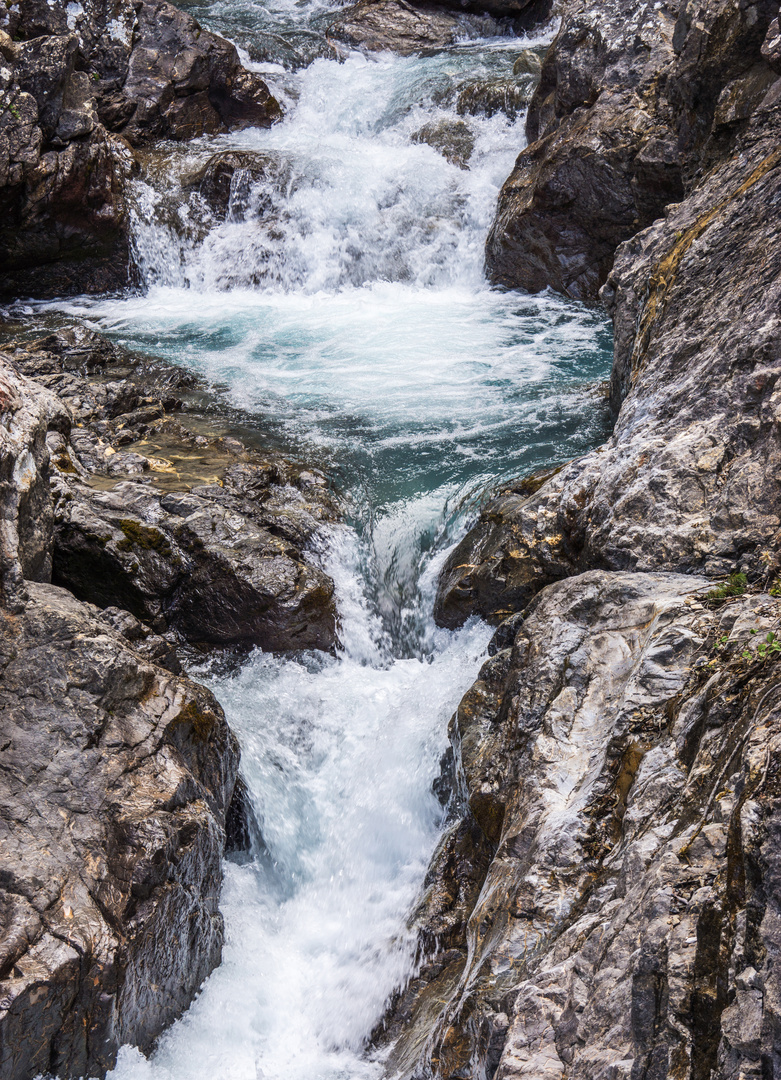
x=329, y=274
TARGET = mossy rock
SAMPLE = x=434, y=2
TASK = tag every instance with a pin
x=200, y=721
x=140, y=537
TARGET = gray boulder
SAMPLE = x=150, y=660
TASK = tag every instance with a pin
x=117, y=776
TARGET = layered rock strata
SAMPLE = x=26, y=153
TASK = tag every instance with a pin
x=79, y=87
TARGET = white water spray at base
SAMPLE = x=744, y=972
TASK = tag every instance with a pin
x=340, y=755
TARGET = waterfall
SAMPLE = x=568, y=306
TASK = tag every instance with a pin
x=329, y=273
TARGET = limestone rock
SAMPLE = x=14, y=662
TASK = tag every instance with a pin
x=689, y=480
x=635, y=100
x=116, y=779
x=618, y=758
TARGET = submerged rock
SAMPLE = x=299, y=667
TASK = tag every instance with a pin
x=618, y=760
x=491, y=96
x=227, y=181
x=453, y=139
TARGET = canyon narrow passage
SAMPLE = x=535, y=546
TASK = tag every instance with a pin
x=334, y=287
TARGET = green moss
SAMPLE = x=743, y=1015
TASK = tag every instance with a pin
x=200, y=721
x=141, y=538
x=735, y=585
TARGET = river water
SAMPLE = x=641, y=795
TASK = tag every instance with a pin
x=342, y=303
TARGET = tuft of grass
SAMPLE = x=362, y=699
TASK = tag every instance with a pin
x=735, y=585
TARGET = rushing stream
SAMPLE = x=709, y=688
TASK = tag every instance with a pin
x=342, y=302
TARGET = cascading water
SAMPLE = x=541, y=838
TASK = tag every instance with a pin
x=338, y=293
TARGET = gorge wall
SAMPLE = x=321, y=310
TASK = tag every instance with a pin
x=118, y=775
x=604, y=903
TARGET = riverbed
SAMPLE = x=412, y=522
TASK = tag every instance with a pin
x=341, y=303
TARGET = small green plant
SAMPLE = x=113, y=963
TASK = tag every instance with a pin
x=767, y=649
x=735, y=585
x=775, y=588
x=96, y=76
x=14, y=112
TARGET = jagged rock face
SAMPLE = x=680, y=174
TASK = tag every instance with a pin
x=619, y=759
x=633, y=101
x=62, y=176
x=118, y=773
x=224, y=563
x=689, y=480
x=116, y=779
x=183, y=81
x=28, y=413
x=71, y=81
x=396, y=26
x=205, y=563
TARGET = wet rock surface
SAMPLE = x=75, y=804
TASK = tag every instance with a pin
x=220, y=559
x=453, y=139
x=116, y=778
x=117, y=772
x=616, y=753
x=616, y=768
x=688, y=480
x=78, y=89
x=490, y=96
x=635, y=102
x=116, y=775
x=401, y=27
